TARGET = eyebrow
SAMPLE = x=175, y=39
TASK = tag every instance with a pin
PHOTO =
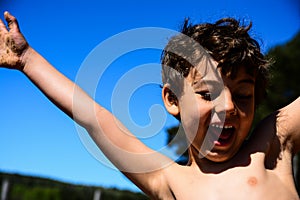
x=250, y=81
x=214, y=83
x=203, y=83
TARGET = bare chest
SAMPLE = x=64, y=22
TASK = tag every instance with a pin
x=251, y=182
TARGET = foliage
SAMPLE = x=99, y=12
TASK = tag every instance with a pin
x=284, y=85
x=35, y=188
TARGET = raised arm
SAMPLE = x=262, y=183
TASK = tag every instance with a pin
x=141, y=164
x=288, y=124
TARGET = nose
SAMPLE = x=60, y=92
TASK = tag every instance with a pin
x=226, y=104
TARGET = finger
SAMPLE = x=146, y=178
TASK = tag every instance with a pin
x=11, y=21
x=2, y=26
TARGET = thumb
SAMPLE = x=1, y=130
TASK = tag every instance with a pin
x=11, y=21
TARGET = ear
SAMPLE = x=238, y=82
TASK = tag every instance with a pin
x=170, y=101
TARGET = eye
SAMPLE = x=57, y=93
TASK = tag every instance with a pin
x=205, y=95
x=243, y=96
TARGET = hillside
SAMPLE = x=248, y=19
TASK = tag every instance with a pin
x=20, y=187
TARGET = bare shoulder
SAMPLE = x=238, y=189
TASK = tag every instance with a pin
x=156, y=184
x=169, y=183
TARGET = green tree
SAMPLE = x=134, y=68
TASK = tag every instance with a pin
x=36, y=188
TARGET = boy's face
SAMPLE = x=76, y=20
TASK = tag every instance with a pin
x=216, y=112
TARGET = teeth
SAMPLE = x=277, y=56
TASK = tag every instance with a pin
x=217, y=126
x=221, y=127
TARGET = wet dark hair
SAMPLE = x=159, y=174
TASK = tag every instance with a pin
x=227, y=41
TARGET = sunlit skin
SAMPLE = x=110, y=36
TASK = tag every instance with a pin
x=216, y=113
x=226, y=106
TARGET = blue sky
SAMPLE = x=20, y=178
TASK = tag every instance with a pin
x=38, y=139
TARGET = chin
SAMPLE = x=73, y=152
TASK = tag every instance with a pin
x=217, y=157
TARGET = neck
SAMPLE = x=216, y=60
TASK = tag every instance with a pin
x=207, y=166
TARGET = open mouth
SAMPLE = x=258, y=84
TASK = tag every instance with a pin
x=222, y=134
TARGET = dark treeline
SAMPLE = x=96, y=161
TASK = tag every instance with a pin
x=20, y=187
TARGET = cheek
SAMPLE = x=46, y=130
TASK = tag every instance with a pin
x=246, y=108
x=195, y=116
x=190, y=117
x=246, y=116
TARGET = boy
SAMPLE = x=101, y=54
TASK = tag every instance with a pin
x=213, y=90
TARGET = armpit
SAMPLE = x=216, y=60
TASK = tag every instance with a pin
x=288, y=126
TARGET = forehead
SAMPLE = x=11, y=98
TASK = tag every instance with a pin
x=206, y=69
x=208, y=73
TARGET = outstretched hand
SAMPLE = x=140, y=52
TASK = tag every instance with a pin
x=12, y=44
